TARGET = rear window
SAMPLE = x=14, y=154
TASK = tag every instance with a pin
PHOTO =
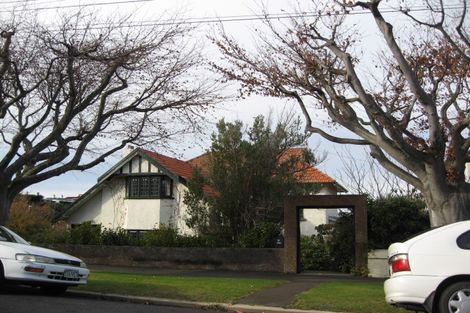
x=463, y=241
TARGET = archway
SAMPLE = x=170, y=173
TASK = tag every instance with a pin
x=292, y=207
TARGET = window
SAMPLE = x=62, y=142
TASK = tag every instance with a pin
x=153, y=187
x=5, y=236
x=464, y=241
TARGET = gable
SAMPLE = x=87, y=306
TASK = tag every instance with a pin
x=141, y=161
x=138, y=165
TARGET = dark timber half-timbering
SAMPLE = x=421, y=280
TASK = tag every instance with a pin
x=292, y=207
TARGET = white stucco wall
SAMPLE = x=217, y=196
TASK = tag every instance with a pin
x=112, y=204
x=91, y=213
x=142, y=214
x=328, y=190
x=110, y=207
x=107, y=207
x=377, y=263
x=315, y=217
x=181, y=211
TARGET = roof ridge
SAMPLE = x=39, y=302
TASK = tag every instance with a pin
x=309, y=173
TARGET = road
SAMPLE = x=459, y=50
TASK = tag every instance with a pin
x=28, y=300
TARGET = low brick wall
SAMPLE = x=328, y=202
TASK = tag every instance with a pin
x=233, y=259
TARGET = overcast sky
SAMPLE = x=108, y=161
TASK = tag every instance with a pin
x=204, y=11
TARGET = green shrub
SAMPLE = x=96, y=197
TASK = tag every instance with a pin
x=391, y=219
x=57, y=233
x=86, y=234
x=197, y=241
x=395, y=219
x=315, y=253
x=117, y=237
x=360, y=271
x=342, y=242
x=263, y=235
x=164, y=236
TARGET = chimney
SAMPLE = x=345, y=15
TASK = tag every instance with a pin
x=128, y=149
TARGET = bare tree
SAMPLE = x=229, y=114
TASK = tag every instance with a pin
x=414, y=118
x=362, y=174
x=74, y=93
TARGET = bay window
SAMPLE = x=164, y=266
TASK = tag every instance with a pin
x=149, y=187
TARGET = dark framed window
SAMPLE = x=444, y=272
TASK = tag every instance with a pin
x=463, y=241
x=149, y=187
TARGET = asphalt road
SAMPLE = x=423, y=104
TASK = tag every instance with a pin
x=29, y=300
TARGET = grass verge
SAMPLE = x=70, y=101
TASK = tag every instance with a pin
x=203, y=289
x=354, y=297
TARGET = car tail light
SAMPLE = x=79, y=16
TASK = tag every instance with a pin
x=399, y=263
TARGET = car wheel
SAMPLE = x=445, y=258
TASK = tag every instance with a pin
x=455, y=298
x=54, y=290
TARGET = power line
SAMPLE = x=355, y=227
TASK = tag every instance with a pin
x=70, y=6
x=213, y=19
x=26, y=2
x=241, y=18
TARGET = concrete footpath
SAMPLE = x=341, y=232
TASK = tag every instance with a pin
x=270, y=300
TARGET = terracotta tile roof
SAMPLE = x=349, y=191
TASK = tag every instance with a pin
x=200, y=162
x=305, y=172
x=178, y=167
x=181, y=168
x=314, y=175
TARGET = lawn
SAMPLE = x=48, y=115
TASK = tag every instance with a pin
x=354, y=297
x=204, y=289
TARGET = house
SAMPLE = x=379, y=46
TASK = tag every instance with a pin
x=146, y=189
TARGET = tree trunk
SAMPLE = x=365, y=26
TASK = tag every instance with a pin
x=5, y=203
x=448, y=207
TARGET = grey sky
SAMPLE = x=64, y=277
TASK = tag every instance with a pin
x=75, y=183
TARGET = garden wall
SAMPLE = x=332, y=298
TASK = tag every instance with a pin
x=233, y=259
x=378, y=263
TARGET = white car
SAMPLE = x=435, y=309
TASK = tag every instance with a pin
x=431, y=272
x=25, y=264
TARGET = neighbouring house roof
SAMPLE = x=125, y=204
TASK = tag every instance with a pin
x=304, y=171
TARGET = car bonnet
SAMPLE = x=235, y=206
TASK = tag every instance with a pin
x=40, y=251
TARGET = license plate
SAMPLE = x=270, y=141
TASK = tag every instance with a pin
x=71, y=274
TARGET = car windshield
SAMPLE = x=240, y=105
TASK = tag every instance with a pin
x=10, y=236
